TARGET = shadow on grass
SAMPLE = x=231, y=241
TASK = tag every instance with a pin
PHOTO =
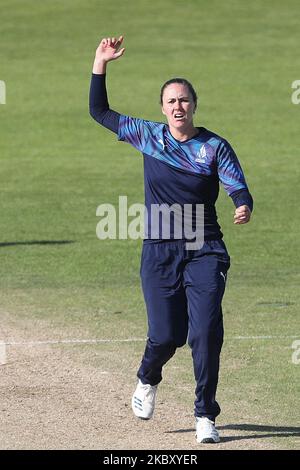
x=263, y=431
x=37, y=242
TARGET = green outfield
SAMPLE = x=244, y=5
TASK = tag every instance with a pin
x=58, y=165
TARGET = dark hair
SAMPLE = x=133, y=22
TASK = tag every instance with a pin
x=182, y=81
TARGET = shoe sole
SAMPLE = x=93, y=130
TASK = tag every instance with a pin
x=208, y=440
x=146, y=418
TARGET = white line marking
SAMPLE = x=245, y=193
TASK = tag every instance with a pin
x=127, y=340
x=2, y=353
x=73, y=341
x=265, y=337
x=2, y=92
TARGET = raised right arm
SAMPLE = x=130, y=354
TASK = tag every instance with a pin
x=107, y=51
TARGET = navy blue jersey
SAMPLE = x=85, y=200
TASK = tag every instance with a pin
x=176, y=173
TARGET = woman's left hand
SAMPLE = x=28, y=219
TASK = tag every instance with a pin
x=242, y=215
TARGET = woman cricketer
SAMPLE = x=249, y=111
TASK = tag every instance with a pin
x=183, y=284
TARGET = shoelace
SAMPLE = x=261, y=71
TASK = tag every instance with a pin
x=206, y=425
x=148, y=390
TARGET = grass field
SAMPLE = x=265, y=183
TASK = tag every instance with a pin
x=57, y=166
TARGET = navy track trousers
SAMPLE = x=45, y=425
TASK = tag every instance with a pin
x=183, y=291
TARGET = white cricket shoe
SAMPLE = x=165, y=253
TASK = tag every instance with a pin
x=205, y=431
x=143, y=400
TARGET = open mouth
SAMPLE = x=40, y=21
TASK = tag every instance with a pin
x=179, y=116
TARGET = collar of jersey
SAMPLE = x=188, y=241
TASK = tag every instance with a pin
x=200, y=132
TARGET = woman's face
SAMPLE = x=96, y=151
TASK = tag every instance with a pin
x=178, y=106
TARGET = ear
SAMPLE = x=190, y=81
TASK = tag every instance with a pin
x=162, y=110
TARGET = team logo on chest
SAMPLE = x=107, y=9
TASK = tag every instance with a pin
x=205, y=153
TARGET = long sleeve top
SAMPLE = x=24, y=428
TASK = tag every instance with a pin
x=176, y=174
